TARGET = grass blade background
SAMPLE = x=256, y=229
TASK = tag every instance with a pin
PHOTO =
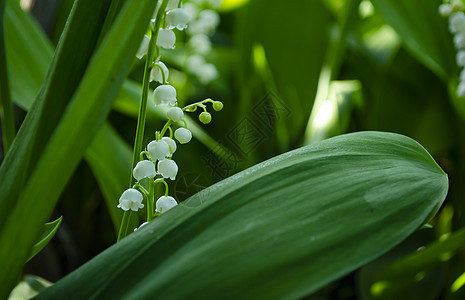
x=281, y=229
x=83, y=117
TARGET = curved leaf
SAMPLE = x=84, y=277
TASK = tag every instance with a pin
x=423, y=31
x=48, y=232
x=281, y=229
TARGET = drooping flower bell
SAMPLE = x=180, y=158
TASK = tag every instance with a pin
x=158, y=150
x=165, y=203
x=200, y=43
x=144, y=169
x=457, y=22
x=144, y=46
x=157, y=75
x=168, y=168
x=183, y=135
x=460, y=58
x=165, y=95
x=175, y=114
x=131, y=199
x=445, y=10
x=166, y=38
x=171, y=143
x=177, y=18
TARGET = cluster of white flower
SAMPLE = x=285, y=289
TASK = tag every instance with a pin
x=156, y=161
x=454, y=10
x=203, y=23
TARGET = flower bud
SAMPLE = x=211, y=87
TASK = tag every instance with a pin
x=171, y=143
x=143, y=48
x=168, y=168
x=158, y=150
x=177, y=18
x=144, y=169
x=165, y=203
x=217, y=105
x=166, y=38
x=165, y=95
x=131, y=199
x=175, y=114
x=205, y=117
x=183, y=135
x=157, y=75
x=200, y=43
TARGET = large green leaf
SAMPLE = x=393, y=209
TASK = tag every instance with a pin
x=281, y=229
x=423, y=31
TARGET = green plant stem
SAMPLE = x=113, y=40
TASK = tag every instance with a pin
x=142, y=109
x=6, y=107
x=150, y=200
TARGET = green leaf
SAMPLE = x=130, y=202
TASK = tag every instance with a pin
x=423, y=31
x=84, y=115
x=281, y=229
x=48, y=231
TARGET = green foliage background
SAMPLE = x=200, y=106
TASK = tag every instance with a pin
x=385, y=65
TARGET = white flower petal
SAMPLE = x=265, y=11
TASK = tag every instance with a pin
x=157, y=75
x=166, y=38
x=183, y=135
x=144, y=45
x=171, y=143
x=168, y=168
x=177, y=18
x=165, y=203
x=175, y=114
x=165, y=95
x=144, y=169
x=158, y=150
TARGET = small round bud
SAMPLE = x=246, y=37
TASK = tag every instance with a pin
x=165, y=95
x=157, y=75
x=166, y=38
x=175, y=114
x=171, y=143
x=131, y=199
x=217, y=105
x=158, y=150
x=183, y=135
x=177, y=18
x=205, y=117
x=168, y=168
x=165, y=203
x=144, y=169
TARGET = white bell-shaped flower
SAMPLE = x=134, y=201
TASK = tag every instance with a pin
x=165, y=95
x=166, y=38
x=191, y=9
x=168, y=168
x=460, y=58
x=165, y=203
x=215, y=3
x=157, y=75
x=461, y=89
x=183, y=135
x=194, y=63
x=171, y=143
x=144, y=169
x=172, y=4
x=200, y=43
x=158, y=150
x=457, y=22
x=459, y=40
x=177, y=18
x=141, y=225
x=207, y=73
x=143, y=48
x=462, y=75
x=175, y=114
x=206, y=23
x=445, y=10
x=131, y=199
